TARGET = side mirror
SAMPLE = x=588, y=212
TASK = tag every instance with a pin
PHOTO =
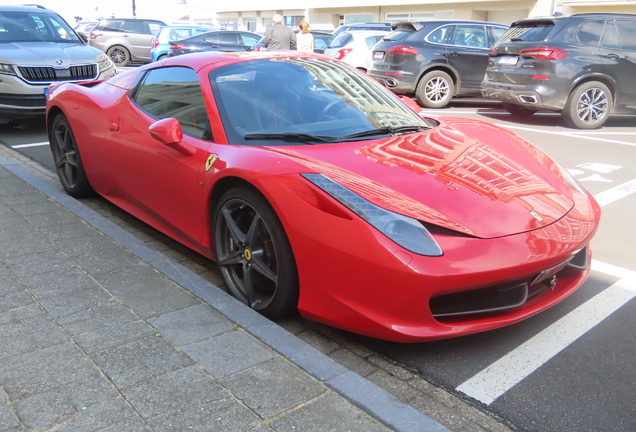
x=168, y=131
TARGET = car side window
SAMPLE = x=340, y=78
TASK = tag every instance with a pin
x=154, y=27
x=229, y=38
x=627, y=33
x=470, y=35
x=248, y=40
x=322, y=42
x=134, y=27
x=590, y=32
x=610, y=37
x=439, y=35
x=200, y=31
x=112, y=26
x=498, y=32
x=174, y=92
x=211, y=38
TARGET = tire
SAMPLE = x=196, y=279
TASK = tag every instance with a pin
x=435, y=89
x=119, y=55
x=161, y=57
x=588, y=106
x=254, y=254
x=68, y=162
x=519, y=110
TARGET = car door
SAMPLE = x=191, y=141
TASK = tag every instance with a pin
x=138, y=37
x=618, y=53
x=162, y=181
x=467, y=53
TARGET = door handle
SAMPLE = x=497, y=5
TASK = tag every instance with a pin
x=454, y=53
x=113, y=127
x=125, y=35
x=613, y=56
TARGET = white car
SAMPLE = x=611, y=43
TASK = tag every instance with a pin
x=37, y=47
x=355, y=47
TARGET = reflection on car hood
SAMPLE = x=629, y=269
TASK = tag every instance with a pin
x=473, y=178
x=46, y=53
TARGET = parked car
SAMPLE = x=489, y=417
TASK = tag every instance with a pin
x=435, y=60
x=125, y=40
x=355, y=47
x=362, y=26
x=322, y=40
x=83, y=29
x=37, y=47
x=317, y=190
x=580, y=65
x=221, y=40
x=161, y=41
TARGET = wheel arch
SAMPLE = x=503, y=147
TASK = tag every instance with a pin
x=604, y=79
x=444, y=68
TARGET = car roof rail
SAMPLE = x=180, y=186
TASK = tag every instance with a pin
x=35, y=5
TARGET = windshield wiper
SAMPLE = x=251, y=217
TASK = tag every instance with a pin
x=291, y=137
x=392, y=130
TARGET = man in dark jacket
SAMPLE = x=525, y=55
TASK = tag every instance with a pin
x=279, y=37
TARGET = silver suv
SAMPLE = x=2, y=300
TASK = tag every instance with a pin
x=125, y=40
x=37, y=47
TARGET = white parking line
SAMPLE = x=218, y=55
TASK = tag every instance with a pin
x=19, y=146
x=492, y=382
x=616, y=193
x=568, y=134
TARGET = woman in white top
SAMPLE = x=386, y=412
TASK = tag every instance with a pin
x=304, y=39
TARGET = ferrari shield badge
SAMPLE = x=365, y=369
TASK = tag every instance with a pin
x=211, y=159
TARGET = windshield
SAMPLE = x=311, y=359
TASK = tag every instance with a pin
x=35, y=26
x=308, y=96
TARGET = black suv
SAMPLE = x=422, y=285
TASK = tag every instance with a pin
x=581, y=65
x=436, y=60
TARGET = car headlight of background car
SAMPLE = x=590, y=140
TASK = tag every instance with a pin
x=7, y=69
x=405, y=231
x=103, y=62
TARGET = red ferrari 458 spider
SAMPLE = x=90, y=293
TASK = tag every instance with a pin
x=316, y=189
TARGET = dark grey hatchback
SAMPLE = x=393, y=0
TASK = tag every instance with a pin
x=221, y=40
x=435, y=60
x=581, y=65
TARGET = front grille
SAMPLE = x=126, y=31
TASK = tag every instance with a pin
x=49, y=74
x=20, y=100
x=504, y=296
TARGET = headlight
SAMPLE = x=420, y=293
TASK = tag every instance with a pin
x=405, y=231
x=571, y=181
x=7, y=69
x=103, y=62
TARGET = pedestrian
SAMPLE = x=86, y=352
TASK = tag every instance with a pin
x=304, y=40
x=279, y=37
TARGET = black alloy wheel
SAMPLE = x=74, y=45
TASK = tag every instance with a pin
x=254, y=254
x=435, y=89
x=588, y=106
x=119, y=55
x=68, y=162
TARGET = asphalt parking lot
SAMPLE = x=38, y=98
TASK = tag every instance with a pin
x=570, y=368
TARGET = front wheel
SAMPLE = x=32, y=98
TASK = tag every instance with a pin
x=588, y=106
x=254, y=254
x=435, y=89
x=68, y=162
x=119, y=55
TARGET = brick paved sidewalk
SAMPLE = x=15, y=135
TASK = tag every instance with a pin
x=103, y=334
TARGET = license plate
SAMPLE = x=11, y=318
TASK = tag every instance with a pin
x=508, y=61
x=549, y=273
x=378, y=55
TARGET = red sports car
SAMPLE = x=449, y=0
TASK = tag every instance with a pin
x=316, y=189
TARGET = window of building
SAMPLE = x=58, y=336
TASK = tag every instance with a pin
x=358, y=18
x=412, y=17
x=445, y=14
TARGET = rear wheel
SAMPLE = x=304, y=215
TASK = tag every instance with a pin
x=435, y=89
x=254, y=254
x=162, y=56
x=119, y=55
x=68, y=162
x=588, y=106
x=518, y=110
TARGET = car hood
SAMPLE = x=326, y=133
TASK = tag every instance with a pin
x=467, y=176
x=47, y=53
